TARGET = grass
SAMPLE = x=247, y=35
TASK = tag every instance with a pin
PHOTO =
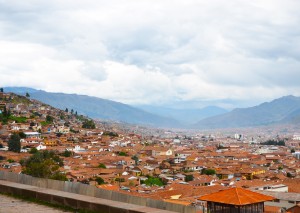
x=52, y=205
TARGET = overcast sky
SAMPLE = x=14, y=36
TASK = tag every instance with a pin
x=153, y=51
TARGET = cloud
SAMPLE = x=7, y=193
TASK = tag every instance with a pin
x=153, y=52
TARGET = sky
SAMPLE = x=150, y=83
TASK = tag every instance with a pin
x=142, y=52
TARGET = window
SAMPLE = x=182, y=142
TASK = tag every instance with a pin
x=277, y=200
x=291, y=201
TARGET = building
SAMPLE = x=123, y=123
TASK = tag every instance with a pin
x=235, y=200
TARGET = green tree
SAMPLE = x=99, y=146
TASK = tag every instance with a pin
x=88, y=124
x=27, y=95
x=14, y=143
x=101, y=165
x=208, y=172
x=1, y=89
x=289, y=175
x=67, y=153
x=72, y=111
x=44, y=164
x=33, y=150
x=122, y=154
x=188, y=178
x=136, y=159
x=49, y=119
x=66, y=110
x=22, y=135
x=153, y=181
x=99, y=180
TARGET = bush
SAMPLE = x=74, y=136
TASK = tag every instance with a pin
x=44, y=164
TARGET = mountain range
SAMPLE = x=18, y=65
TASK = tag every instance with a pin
x=97, y=108
x=284, y=110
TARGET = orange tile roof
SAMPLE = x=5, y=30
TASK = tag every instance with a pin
x=236, y=196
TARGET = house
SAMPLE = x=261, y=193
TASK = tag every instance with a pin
x=41, y=147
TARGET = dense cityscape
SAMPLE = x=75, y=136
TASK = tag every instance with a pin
x=174, y=166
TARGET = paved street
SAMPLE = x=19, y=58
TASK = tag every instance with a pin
x=13, y=205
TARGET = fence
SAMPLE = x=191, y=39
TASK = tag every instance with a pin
x=83, y=189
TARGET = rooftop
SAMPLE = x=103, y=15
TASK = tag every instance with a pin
x=236, y=196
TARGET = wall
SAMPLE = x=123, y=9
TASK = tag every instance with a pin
x=83, y=189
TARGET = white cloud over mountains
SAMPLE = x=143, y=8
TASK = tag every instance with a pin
x=156, y=52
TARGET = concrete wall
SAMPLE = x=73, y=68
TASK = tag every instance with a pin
x=83, y=189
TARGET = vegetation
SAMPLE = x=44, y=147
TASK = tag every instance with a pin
x=88, y=124
x=188, y=178
x=122, y=154
x=44, y=164
x=293, y=150
x=99, y=180
x=112, y=134
x=101, y=165
x=208, y=172
x=274, y=142
x=136, y=159
x=14, y=144
x=22, y=135
x=33, y=150
x=49, y=119
x=67, y=153
x=153, y=181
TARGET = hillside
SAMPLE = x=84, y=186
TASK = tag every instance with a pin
x=282, y=110
x=97, y=108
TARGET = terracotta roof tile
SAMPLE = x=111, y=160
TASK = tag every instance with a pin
x=236, y=196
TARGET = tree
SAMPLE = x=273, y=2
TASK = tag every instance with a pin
x=27, y=95
x=14, y=144
x=88, y=124
x=67, y=153
x=289, y=175
x=208, y=172
x=22, y=135
x=49, y=119
x=123, y=154
x=66, y=110
x=1, y=89
x=44, y=164
x=293, y=150
x=99, y=180
x=101, y=165
x=33, y=150
x=72, y=111
x=136, y=159
x=188, y=178
x=153, y=181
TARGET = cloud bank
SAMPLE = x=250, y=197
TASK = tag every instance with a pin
x=153, y=52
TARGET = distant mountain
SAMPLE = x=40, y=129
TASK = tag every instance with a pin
x=97, y=107
x=279, y=111
x=186, y=116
